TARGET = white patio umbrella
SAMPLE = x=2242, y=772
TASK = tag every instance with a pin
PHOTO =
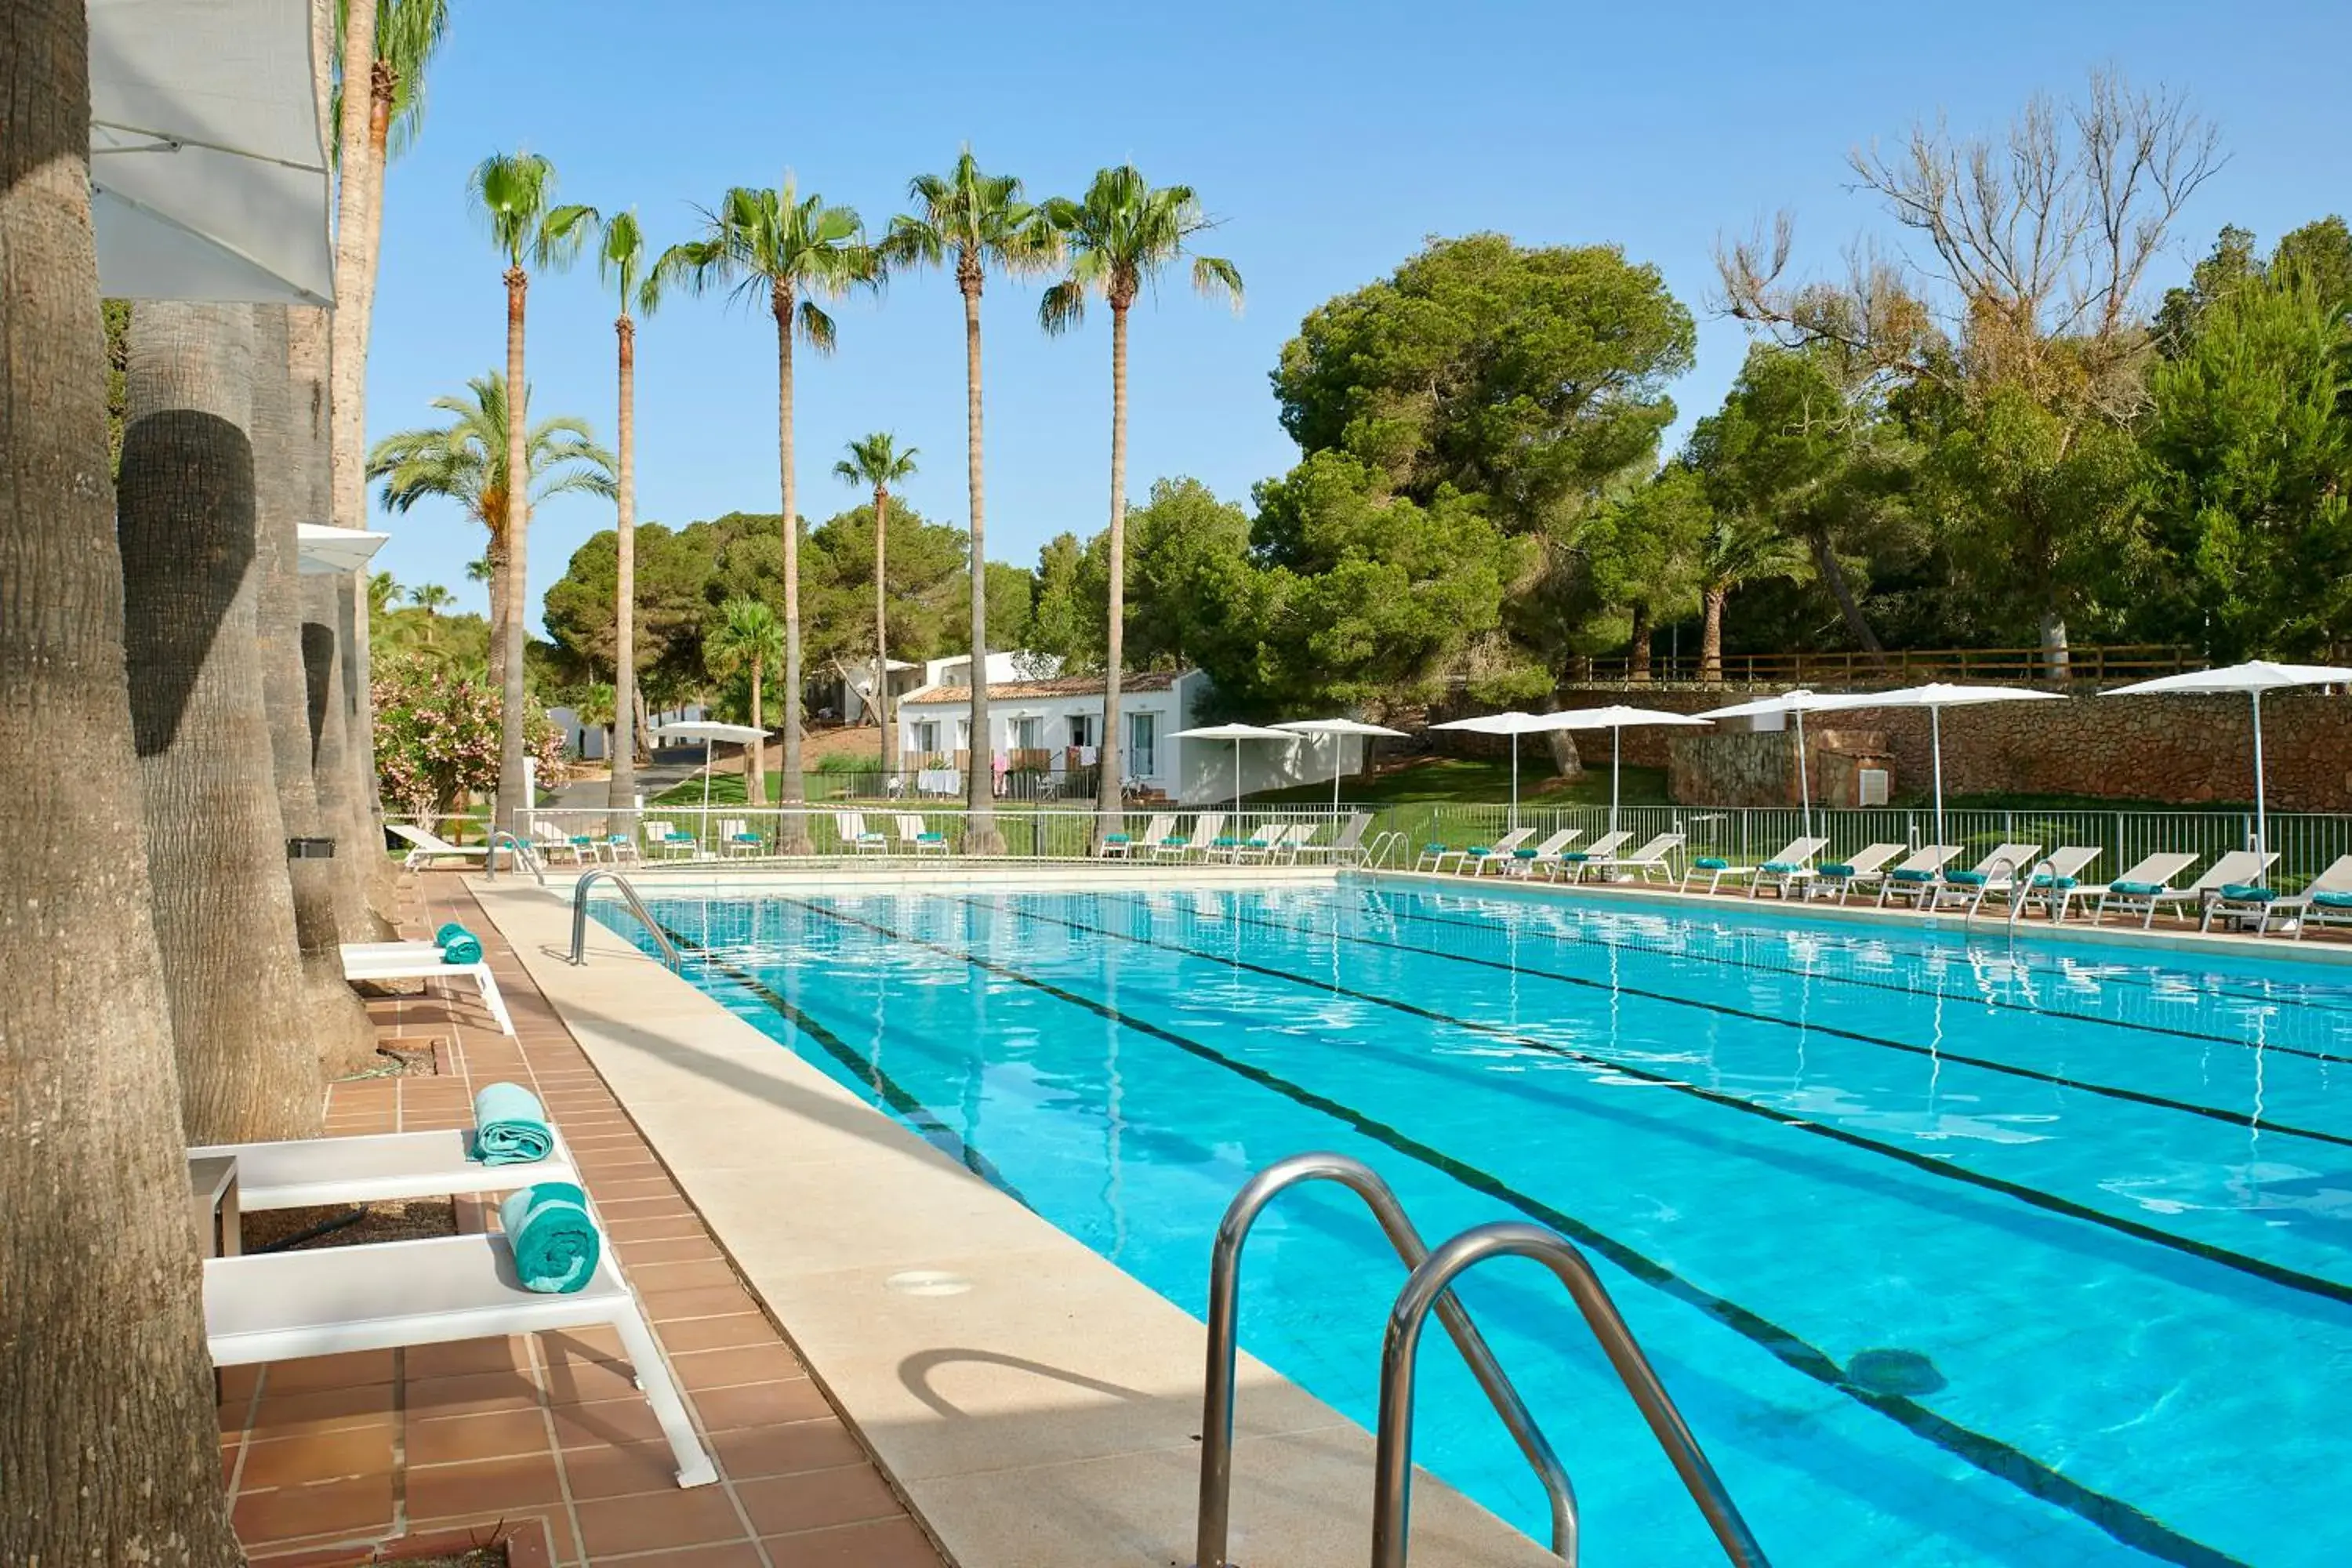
x=208, y=168
x=1934, y=696
x=1799, y=702
x=325, y=551
x=1338, y=727
x=1616, y=719
x=1513, y=725
x=2253, y=678
x=706, y=731
x=1236, y=733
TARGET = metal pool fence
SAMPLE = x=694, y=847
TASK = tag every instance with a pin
x=2306, y=843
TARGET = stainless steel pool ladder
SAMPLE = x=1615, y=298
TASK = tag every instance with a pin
x=1376, y=853
x=1428, y=1286
x=636, y=906
x=523, y=855
x=2025, y=893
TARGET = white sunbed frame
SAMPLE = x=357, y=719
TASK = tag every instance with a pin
x=1651, y=857
x=423, y=961
x=1930, y=859
x=425, y=847
x=282, y=1306
x=1522, y=860
x=1346, y=844
x=1475, y=858
x=2237, y=866
x=2066, y=862
x=375, y=1168
x=2160, y=869
x=2336, y=878
x=1573, y=861
x=1866, y=865
x=1797, y=855
x=1547, y=862
x=2008, y=865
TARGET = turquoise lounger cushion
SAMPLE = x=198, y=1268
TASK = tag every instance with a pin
x=1115, y=839
x=2044, y=880
x=2248, y=893
x=1837, y=869
x=2136, y=890
x=1966, y=879
x=2332, y=900
x=1175, y=841
x=743, y=838
x=1711, y=863
x=552, y=1236
x=463, y=948
x=1906, y=874
x=1224, y=843
x=582, y=839
x=510, y=1126
x=1782, y=867
x=1578, y=855
x=942, y=838
x=1480, y=849
x=1436, y=849
x=1523, y=854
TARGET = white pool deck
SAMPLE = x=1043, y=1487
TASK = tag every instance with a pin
x=1036, y=1405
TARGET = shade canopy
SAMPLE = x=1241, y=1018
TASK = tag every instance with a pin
x=1340, y=727
x=1799, y=702
x=208, y=169
x=707, y=730
x=1616, y=719
x=1236, y=733
x=1934, y=696
x=1513, y=725
x=328, y=550
x=2251, y=680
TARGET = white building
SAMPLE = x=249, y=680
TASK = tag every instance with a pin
x=1046, y=729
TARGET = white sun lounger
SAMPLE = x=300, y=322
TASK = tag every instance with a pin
x=1649, y=857
x=282, y=1306
x=1348, y=845
x=850, y=826
x=1475, y=858
x=1573, y=861
x=1919, y=876
x=1522, y=861
x=1792, y=864
x=2326, y=900
x=2149, y=871
x=2335, y=881
x=2237, y=866
x=1867, y=866
x=383, y=1167
x=2053, y=875
x=917, y=838
x=423, y=961
x=426, y=848
x=1999, y=873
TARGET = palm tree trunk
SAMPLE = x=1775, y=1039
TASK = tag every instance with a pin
x=355, y=277
x=882, y=630
x=753, y=790
x=338, y=1023
x=1710, y=636
x=510, y=702
x=980, y=834
x=215, y=841
x=1637, y=652
x=623, y=749
x=107, y=1436
x=1832, y=571
x=1107, y=797
x=792, y=831
x=495, y=552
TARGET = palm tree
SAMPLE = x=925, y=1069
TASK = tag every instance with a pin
x=792, y=249
x=515, y=193
x=877, y=464
x=465, y=462
x=975, y=221
x=747, y=638
x=1120, y=236
x=593, y=707
x=432, y=598
x=1739, y=551
x=620, y=262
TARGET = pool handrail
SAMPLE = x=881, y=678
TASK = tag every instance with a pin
x=2025, y=893
x=523, y=853
x=1224, y=1296
x=636, y=905
x=1431, y=1285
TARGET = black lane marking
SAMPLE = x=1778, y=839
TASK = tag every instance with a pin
x=2122, y=1520
x=1757, y=966
x=892, y=1093
x=2261, y=1269
x=2138, y=1097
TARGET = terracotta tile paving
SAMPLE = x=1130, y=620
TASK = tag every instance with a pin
x=543, y=1437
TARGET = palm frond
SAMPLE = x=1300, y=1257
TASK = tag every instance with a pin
x=1061, y=307
x=621, y=257
x=1214, y=276
x=562, y=235
x=816, y=327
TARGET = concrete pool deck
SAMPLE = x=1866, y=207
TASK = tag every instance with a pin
x=1037, y=1406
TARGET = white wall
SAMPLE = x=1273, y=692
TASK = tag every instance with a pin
x=1208, y=765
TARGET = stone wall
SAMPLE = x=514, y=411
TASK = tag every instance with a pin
x=2197, y=749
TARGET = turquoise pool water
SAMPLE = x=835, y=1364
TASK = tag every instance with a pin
x=1952, y=1254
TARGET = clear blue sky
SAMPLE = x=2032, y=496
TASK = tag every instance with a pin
x=1328, y=138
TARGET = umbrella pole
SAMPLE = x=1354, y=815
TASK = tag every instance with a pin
x=1804, y=783
x=1515, y=781
x=1237, y=776
x=2262, y=826
x=1936, y=731
x=1335, y=778
x=1616, y=747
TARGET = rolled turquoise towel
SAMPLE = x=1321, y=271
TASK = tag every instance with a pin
x=2136, y=890
x=1782, y=867
x=2248, y=893
x=2044, y=880
x=463, y=948
x=1904, y=874
x=552, y=1238
x=449, y=929
x=1837, y=869
x=510, y=1126
x=930, y=838
x=1224, y=841
x=1433, y=849
x=1480, y=850
x=1523, y=854
x=1176, y=841
x=2332, y=900
x=1577, y=855
x=1966, y=879
x=1711, y=863
x=1107, y=837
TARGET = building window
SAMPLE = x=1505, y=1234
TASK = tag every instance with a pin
x=1024, y=734
x=1082, y=729
x=927, y=736
x=1142, y=728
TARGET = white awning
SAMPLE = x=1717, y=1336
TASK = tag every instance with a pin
x=208, y=170
x=326, y=549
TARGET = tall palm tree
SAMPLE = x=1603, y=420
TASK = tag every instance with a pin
x=876, y=463
x=1120, y=237
x=465, y=462
x=432, y=598
x=515, y=193
x=747, y=638
x=621, y=263
x=974, y=222
x=793, y=250
x=1740, y=549
x=115, y=1458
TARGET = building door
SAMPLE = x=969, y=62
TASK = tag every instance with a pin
x=1141, y=760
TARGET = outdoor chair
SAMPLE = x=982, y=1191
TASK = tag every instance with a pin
x=620, y=847
x=1792, y=864
x=1651, y=857
x=856, y=836
x=1347, y=845
x=1259, y=845
x=2149, y=872
x=1433, y=856
x=1474, y=860
x=423, y=961
x=1123, y=846
x=1523, y=859
x=2325, y=900
x=2238, y=868
x=919, y=839
x=377, y=1168
x=2264, y=905
x=1919, y=877
x=283, y=1305
x=1204, y=841
x=2053, y=875
x=547, y=843
x=426, y=848
x=664, y=838
x=736, y=837
x=1573, y=862
x=1844, y=876
x=1999, y=873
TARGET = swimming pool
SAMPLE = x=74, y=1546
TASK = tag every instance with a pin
x=1951, y=1254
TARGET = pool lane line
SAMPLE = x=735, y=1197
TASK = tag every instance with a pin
x=925, y=1122
x=2123, y=1521
x=1756, y=966
x=2113, y=1091
x=2261, y=1269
